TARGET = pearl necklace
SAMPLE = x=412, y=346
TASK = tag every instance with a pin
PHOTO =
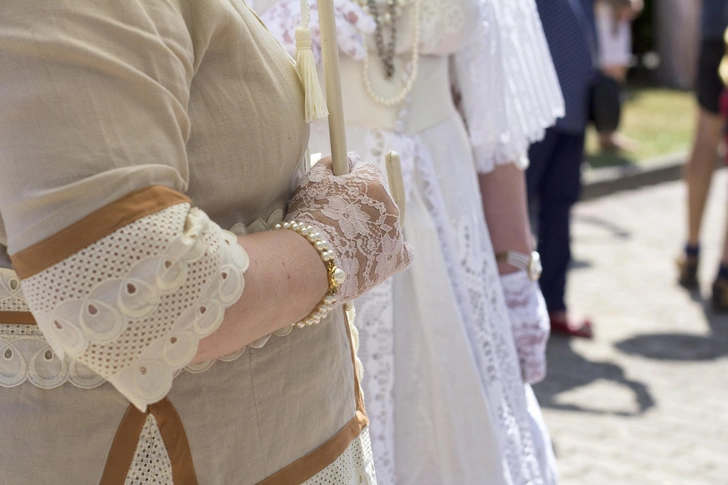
x=402, y=95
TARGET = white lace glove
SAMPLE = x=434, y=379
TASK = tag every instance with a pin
x=351, y=23
x=530, y=321
x=360, y=220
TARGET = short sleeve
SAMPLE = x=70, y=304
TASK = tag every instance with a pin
x=93, y=101
x=121, y=272
x=509, y=91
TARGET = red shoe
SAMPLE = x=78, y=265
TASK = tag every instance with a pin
x=562, y=324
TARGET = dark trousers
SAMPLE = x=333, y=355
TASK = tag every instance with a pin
x=554, y=185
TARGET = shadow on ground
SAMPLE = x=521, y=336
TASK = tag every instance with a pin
x=683, y=347
x=568, y=370
x=613, y=230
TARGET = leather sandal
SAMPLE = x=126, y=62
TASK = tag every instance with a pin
x=688, y=270
x=720, y=295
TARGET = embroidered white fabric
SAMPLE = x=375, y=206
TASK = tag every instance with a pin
x=133, y=306
x=463, y=241
x=360, y=221
x=151, y=464
x=283, y=17
x=27, y=357
x=530, y=323
x=376, y=348
x=508, y=88
x=507, y=83
x=469, y=255
x=11, y=293
x=259, y=225
x=355, y=466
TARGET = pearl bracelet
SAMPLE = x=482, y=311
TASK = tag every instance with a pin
x=336, y=275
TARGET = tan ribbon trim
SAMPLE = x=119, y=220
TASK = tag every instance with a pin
x=175, y=440
x=357, y=386
x=93, y=227
x=25, y=318
x=126, y=440
x=307, y=467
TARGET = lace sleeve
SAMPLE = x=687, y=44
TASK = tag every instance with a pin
x=507, y=84
x=133, y=305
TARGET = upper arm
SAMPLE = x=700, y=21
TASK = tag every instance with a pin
x=93, y=96
x=119, y=271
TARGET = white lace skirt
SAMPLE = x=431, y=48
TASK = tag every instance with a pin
x=442, y=383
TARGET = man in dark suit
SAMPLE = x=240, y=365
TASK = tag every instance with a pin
x=554, y=175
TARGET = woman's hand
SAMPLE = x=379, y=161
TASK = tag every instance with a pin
x=360, y=220
x=530, y=324
x=352, y=23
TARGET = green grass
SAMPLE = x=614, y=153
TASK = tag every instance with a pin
x=659, y=120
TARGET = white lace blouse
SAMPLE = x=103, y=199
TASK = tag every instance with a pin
x=500, y=68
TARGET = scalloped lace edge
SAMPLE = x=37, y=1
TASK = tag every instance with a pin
x=68, y=369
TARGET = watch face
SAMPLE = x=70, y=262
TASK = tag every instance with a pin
x=534, y=266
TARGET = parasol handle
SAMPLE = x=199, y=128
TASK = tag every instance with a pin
x=396, y=182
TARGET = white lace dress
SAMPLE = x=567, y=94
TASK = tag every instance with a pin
x=442, y=384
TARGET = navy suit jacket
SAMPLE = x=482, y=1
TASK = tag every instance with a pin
x=571, y=35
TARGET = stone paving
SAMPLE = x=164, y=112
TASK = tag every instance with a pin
x=646, y=402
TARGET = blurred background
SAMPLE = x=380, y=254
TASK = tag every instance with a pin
x=646, y=401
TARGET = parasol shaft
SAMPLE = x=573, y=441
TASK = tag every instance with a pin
x=332, y=81
x=335, y=103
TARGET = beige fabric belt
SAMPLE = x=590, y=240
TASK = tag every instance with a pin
x=430, y=103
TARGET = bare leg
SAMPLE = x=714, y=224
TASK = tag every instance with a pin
x=699, y=169
x=610, y=140
x=720, y=285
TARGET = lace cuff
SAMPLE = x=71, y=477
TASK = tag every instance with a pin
x=507, y=83
x=133, y=305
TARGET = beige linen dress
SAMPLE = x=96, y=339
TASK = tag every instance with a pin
x=110, y=107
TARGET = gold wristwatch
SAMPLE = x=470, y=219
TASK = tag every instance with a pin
x=530, y=263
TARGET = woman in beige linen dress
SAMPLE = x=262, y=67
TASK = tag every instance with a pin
x=129, y=131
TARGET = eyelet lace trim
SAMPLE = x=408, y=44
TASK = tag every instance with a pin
x=26, y=356
x=355, y=466
x=151, y=464
x=259, y=225
x=133, y=306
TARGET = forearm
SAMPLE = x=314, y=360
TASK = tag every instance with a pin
x=285, y=281
x=503, y=193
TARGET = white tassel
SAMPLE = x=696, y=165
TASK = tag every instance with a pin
x=315, y=103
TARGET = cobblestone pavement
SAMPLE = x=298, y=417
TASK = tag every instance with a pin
x=646, y=402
